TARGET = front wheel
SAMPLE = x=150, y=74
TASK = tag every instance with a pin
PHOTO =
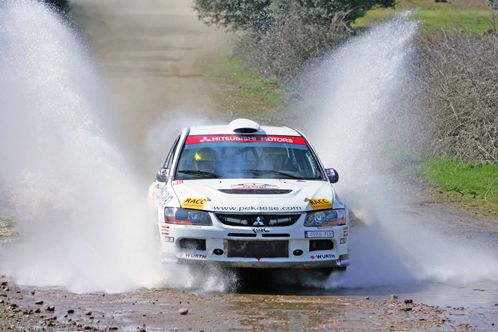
x=341, y=269
x=325, y=272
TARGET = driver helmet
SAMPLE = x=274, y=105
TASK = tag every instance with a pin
x=205, y=159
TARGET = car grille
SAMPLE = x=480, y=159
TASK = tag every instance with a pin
x=258, y=249
x=255, y=220
x=256, y=191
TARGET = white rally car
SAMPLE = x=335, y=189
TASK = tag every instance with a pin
x=244, y=195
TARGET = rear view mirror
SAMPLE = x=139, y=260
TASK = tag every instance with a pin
x=162, y=175
x=332, y=175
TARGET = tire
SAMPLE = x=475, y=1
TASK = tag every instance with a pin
x=341, y=269
x=324, y=271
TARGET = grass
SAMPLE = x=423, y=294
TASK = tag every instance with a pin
x=471, y=184
x=238, y=90
x=470, y=16
x=269, y=89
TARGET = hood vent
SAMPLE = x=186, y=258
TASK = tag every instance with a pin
x=256, y=191
x=244, y=126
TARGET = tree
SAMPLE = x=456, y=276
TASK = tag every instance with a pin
x=235, y=14
x=283, y=35
x=261, y=14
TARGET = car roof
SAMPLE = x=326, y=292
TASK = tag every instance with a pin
x=225, y=130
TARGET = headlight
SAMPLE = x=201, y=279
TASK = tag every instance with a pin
x=326, y=218
x=186, y=217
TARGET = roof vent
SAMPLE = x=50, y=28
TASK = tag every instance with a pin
x=244, y=126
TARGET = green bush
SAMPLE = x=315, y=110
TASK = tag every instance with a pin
x=261, y=14
x=282, y=35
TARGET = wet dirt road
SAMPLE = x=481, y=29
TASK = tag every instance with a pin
x=268, y=301
x=158, y=310
x=152, y=55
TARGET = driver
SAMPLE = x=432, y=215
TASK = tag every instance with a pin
x=205, y=160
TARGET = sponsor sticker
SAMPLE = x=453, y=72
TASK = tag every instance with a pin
x=196, y=139
x=194, y=203
x=320, y=203
x=191, y=256
x=254, y=186
x=254, y=208
x=168, y=239
x=164, y=229
x=344, y=240
x=319, y=234
x=322, y=256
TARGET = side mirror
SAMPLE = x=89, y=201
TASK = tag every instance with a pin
x=332, y=175
x=162, y=175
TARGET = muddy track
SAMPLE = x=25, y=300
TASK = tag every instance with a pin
x=168, y=310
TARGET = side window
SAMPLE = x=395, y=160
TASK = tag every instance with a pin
x=171, y=154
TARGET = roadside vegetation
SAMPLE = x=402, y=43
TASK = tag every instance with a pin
x=280, y=36
x=460, y=82
x=239, y=90
x=471, y=16
x=456, y=61
x=471, y=184
x=268, y=88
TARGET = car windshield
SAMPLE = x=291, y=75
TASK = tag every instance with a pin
x=247, y=156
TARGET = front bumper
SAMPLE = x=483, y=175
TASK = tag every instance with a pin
x=338, y=263
x=215, y=248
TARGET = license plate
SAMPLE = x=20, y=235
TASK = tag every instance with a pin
x=319, y=234
x=258, y=249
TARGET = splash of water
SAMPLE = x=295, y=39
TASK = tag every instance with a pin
x=365, y=99
x=80, y=209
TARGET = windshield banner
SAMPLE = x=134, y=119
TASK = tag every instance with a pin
x=196, y=139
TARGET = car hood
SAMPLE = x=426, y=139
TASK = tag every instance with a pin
x=250, y=195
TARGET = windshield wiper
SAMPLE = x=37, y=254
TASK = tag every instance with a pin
x=271, y=171
x=198, y=172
